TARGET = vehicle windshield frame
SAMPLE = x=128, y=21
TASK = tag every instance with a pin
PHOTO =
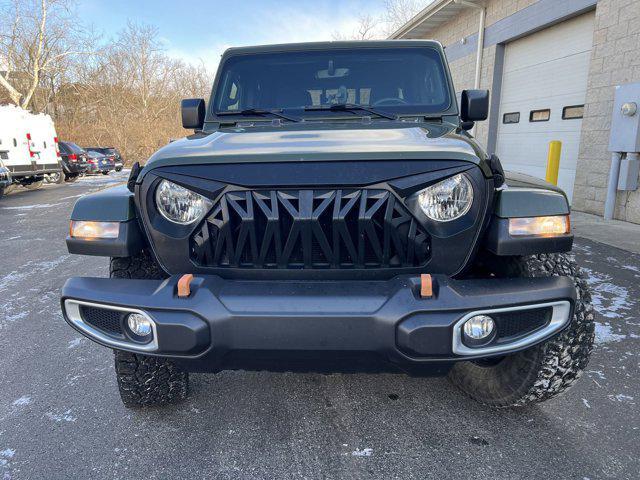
x=325, y=114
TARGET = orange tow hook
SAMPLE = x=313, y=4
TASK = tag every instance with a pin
x=184, y=285
x=426, y=286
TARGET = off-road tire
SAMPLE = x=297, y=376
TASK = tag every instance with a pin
x=545, y=370
x=145, y=381
x=70, y=178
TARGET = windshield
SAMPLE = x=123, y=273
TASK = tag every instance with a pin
x=397, y=80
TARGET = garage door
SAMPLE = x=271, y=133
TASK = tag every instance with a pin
x=544, y=85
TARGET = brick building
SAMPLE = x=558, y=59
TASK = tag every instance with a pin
x=551, y=67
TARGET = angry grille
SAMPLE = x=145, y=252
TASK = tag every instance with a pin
x=330, y=229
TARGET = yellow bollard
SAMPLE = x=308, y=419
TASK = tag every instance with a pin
x=553, y=161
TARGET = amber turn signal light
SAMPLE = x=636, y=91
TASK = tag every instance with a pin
x=539, y=226
x=93, y=230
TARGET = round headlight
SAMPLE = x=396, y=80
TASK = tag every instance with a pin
x=180, y=205
x=447, y=200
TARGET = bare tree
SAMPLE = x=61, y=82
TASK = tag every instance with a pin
x=399, y=12
x=36, y=42
x=396, y=13
x=366, y=29
x=129, y=94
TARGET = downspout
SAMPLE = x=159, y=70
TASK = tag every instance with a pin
x=481, y=25
x=612, y=186
x=480, y=48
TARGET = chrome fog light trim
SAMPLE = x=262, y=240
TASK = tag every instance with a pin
x=559, y=319
x=72, y=310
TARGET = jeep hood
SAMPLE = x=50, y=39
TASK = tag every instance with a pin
x=302, y=143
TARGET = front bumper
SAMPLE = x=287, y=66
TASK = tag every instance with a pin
x=226, y=323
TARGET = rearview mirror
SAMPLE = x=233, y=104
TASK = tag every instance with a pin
x=192, y=113
x=474, y=105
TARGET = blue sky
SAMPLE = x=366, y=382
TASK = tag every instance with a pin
x=203, y=29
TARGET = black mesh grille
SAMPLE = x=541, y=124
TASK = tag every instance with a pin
x=518, y=323
x=332, y=229
x=108, y=321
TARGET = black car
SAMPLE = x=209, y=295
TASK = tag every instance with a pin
x=110, y=152
x=332, y=212
x=74, y=160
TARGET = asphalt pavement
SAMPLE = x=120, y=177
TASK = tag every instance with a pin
x=61, y=416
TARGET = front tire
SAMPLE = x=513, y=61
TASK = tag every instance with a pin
x=545, y=370
x=145, y=381
x=70, y=178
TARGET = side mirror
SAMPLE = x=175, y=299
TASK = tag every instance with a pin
x=474, y=105
x=192, y=113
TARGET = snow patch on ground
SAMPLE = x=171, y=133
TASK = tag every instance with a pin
x=609, y=300
x=22, y=401
x=586, y=403
x=365, y=452
x=61, y=417
x=604, y=334
x=6, y=455
x=31, y=207
x=622, y=398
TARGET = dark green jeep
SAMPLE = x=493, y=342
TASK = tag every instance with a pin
x=332, y=214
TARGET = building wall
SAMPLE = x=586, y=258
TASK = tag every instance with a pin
x=615, y=59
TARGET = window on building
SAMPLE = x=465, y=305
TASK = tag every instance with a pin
x=540, y=115
x=573, y=112
x=513, y=117
x=15, y=142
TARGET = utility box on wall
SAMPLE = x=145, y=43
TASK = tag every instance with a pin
x=625, y=121
x=625, y=134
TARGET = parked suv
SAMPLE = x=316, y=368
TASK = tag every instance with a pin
x=74, y=160
x=331, y=212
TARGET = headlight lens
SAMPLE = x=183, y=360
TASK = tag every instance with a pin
x=180, y=205
x=448, y=199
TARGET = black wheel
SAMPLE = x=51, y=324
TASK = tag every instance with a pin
x=70, y=178
x=119, y=169
x=545, y=370
x=1, y=192
x=145, y=381
x=105, y=173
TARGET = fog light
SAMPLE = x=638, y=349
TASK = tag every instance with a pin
x=478, y=330
x=140, y=326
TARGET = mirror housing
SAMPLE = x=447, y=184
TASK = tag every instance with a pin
x=474, y=105
x=193, y=112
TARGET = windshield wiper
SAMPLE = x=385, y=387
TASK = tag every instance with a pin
x=258, y=111
x=350, y=107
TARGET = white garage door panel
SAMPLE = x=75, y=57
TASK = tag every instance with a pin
x=546, y=70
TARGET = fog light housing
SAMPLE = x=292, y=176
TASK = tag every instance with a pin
x=140, y=327
x=479, y=330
